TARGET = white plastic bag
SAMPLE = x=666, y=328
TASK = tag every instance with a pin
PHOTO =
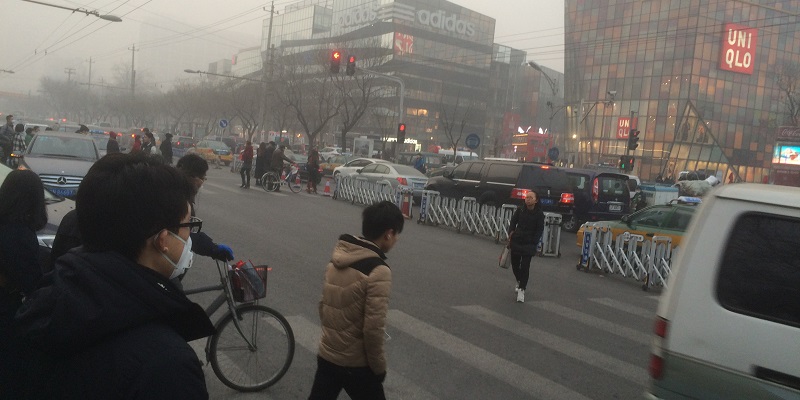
x=505, y=258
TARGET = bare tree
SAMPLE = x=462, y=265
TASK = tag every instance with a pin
x=787, y=77
x=244, y=103
x=454, y=118
x=309, y=93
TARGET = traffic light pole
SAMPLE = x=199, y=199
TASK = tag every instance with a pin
x=394, y=79
x=630, y=134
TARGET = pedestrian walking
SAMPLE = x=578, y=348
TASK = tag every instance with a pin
x=149, y=143
x=22, y=213
x=112, y=146
x=166, y=148
x=313, y=170
x=7, y=134
x=18, y=145
x=261, y=162
x=525, y=231
x=107, y=322
x=137, y=144
x=352, y=311
x=247, y=163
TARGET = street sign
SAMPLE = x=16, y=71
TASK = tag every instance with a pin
x=223, y=123
x=553, y=153
x=472, y=141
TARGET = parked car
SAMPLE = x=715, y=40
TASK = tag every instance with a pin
x=61, y=160
x=599, y=196
x=333, y=162
x=499, y=182
x=394, y=175
x=328, y=152
x=302, y=163
x=211, y=150
x=433, y=161
x=728, y=322
x=659, y=220
x=180, y=145
x=352, y=166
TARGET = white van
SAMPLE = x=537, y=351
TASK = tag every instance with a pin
x=728, y=324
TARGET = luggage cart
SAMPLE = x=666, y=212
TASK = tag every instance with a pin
x=551, y=236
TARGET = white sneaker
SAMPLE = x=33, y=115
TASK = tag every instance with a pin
x=520, y=296
x=516, y=289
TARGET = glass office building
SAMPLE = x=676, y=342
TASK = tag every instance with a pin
x=701, y=77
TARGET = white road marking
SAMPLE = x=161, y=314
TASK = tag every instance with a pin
x=642, y=312
x=593, y=321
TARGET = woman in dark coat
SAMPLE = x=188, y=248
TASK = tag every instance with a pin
x=313, y=170
x=525, y=230
x=261, y=162
x=22, y=213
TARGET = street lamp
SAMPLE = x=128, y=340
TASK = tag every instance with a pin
x=553, y=82
x=8, y=71
x=112, y=18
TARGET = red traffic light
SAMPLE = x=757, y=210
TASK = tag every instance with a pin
x=401, y=127
x=351, y=59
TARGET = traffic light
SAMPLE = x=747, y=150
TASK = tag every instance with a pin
x=633, y=140
x=336, y=60
x=351, y=65
x=401, y=133
x=626, y=163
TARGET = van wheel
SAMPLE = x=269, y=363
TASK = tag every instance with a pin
x=570, y=224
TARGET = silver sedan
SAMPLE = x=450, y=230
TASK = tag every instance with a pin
x=394, y=175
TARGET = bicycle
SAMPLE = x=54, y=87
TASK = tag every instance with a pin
x=271, y=182
x=253, y=345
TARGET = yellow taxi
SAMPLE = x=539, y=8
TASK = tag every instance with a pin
x=213, y=150
x=333, y=162
x=658, y=220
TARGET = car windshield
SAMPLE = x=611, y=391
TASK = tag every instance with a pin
x=63, y=146
x=217, y=145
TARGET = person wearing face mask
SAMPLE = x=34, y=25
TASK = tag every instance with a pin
x=525, y=231
x=107, y=322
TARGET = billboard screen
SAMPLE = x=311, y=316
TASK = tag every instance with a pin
x=786, y=154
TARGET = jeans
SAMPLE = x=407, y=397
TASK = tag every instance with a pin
x=360, y=383
x=521, y=266
x=245, y=172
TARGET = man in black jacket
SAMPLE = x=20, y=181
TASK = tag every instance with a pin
x=107, y=323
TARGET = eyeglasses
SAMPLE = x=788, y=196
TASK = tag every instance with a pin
x=194, y=225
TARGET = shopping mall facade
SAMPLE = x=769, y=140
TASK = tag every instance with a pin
x=701, y=78
x=444, y=53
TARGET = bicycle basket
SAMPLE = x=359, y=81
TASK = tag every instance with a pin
x=248, y=282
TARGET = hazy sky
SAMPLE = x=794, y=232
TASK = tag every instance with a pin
x=40, y=40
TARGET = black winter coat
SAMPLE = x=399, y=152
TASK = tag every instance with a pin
x=527, y=227
x=103, y=327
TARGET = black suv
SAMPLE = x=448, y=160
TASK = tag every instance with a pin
x=599, y=195
x=507, y=182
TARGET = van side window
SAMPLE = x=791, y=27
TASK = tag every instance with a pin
x=461, y=171
x=474, y=173
x=759, y=273
x=503, y=173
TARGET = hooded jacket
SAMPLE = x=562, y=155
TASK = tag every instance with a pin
x=355, y=299
x=101, y=326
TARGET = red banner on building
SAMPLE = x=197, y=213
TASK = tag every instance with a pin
x=738, y=48
x=403, y=44
x=624, y=126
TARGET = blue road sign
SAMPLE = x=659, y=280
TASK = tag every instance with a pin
x=223, y=123
x=553, y=153
x=472, y=141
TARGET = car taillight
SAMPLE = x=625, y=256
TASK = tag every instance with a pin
x=517, y=193
x=403, y=181
x=567, y=198
x=656, y=359
x=595, y=190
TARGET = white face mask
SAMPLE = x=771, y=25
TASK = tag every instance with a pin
x=185, y=262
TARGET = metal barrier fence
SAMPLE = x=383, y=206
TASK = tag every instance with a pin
x=363, y=192
x=628, y=255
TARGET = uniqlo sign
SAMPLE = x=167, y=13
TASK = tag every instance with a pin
x=738, y=49
x=624, y=127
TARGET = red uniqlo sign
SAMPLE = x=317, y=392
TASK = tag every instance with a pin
x=624, y=127
x=738, y=49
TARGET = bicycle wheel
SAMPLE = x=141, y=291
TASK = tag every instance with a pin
x=246, y=368
x=271, y=181
x=294, y=185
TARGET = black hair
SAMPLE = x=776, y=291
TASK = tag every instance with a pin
x=125, y=199
x=29, y=130
x=22, y=200
x=19, y=128
x=379, y=217
x=193, y=165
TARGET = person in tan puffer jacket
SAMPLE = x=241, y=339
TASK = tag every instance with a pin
x=352, y=311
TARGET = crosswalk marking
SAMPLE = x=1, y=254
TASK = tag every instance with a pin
x=307, y=335
x=595, y=322
x=502, y=369
x=642, y=312
x=579, y=352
